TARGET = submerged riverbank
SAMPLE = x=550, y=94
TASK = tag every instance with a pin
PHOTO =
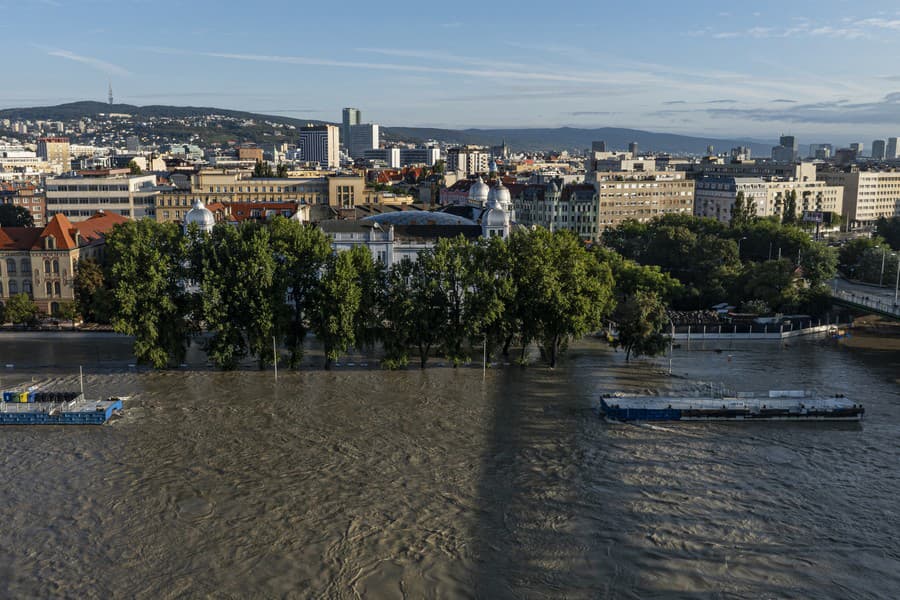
x=449, y=483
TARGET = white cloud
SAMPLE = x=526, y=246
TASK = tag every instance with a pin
x=100, y=65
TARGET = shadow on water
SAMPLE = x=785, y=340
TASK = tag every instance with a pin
x=571, y=506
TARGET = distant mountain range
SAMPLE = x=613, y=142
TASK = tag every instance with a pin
x=570, y=138
x=562, y=138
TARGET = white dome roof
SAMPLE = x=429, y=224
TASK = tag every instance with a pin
x=500, y=197
x=201, y=216
x=479, y=192
x=494, y=217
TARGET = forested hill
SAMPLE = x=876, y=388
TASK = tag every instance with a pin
x=77, y=110
x=518, y=139
x=570, y=138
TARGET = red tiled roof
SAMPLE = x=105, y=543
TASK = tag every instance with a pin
x=98, y=225
x=60, y=228
x=19, y=238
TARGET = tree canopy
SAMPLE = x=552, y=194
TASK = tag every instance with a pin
x=14, y=215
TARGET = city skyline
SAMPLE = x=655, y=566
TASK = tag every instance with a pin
x=754, y=73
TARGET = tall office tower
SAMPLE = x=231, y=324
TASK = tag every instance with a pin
x=352, y=116
x=633, y=148
x=890, y=151
x=786, y=150
x=362, y=137
x=878, y=149
x=320, y=145
x=857, y=147
x=54, y=150
x=599, y=146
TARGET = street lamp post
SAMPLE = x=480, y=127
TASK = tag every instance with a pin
x=883, y=256
x=897, y=284
x=739, y=246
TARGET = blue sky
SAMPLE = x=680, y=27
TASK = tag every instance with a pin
x=824, y=71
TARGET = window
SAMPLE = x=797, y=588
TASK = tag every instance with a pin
x=13, y=288
x=49, y=289
x=10, y=265
x=47, y=267
x=56, y=266
x=26, y=286
x=56, y=288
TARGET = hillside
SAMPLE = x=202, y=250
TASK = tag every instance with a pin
x=563, y=138
x=569, y=138
x=77, y=110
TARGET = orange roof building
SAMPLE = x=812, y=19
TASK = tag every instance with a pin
x=40, y=261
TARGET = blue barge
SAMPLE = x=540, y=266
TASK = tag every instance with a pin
x=775, y=406
x=76, y=412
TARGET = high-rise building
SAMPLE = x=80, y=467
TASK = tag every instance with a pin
x=599, y=146
x=362, y=137
x=858, y=148
x=54, y=150
x=352, y=116
x=890, y=150
x=319, y=144
x=786, y=150
x=633, y=148
x=879, y=148
x=469, y=160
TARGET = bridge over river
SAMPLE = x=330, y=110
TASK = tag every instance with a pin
x=874, y=299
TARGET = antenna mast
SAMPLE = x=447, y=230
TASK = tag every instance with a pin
x=110, y=94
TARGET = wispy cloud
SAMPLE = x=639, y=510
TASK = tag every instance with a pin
x=590, y=113
x=725, y=101
x=846, y=29
x=485, y=73
x=101, y=65
x=833, y=112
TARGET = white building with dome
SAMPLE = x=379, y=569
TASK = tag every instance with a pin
x=200, y=216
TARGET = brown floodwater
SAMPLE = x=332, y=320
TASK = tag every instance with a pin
x=443, y=484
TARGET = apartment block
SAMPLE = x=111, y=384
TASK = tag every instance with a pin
x=868, y=195
x=80, y=196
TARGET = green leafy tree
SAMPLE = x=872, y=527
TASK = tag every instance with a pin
x=641, y=321
x=447, y=263
x=489, y=294
x=14, y=215
x=68, y=311
x=300, y=252
x=851, y=253
x=789, y=217
x=429, y=315
x=263, y=169
x=772, y=282
x=641, y=294
x=818, y=263
x=336, y=306
x=92, y=297
x=281, y=171
x=370, y=278
x=398, y=314
x=562, y=291
x=239, y=298
x=146, y=278
x=21, y=309
x=889, y=230
x=134, y=168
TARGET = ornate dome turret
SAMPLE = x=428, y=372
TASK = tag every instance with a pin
x=479, y=192
x=201, y=216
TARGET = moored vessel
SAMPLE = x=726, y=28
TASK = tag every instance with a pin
x=776, y=405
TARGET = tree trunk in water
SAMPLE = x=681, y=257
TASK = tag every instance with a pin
x=554, y=351
x=506, y=344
